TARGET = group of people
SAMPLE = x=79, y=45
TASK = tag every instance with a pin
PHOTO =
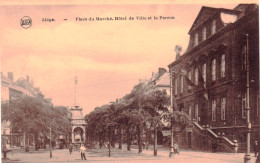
x=82, y=151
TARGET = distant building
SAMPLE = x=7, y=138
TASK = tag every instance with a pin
x=209, y=79
x=11, y=90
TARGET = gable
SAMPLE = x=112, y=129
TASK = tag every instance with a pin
x=204, y=14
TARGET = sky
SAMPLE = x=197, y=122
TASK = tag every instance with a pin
x=108, y=57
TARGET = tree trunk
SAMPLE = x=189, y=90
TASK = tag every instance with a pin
x=155, y=141
x=26, y=143
x=113, y=139
x=128, y=139
x=120, y=138
x=36, y=141
x=139, y=139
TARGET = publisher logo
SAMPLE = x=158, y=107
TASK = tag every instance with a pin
x=26, y=22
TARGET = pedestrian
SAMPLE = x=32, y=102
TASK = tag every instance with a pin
x=100, y=144
x=236, y=146
x=214, y=146
x=70, y=147
x=82, y=151
x=176, y=148
x=256, y=148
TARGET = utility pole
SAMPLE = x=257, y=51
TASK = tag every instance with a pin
x=50, y=144
x=247, y=154
x=11, y=140
x=155, y=140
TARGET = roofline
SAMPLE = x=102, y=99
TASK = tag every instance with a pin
x=228, y=27
x=216, y=9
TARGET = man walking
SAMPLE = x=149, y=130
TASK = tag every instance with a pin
x=70, y=147
x=82, y=151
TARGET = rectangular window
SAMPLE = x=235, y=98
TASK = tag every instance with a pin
x=213, y=27
x=213, y=110
x=196, y=112
x=213, y=70
x=196, y=75
x=223, y=108
x=181, y=84
x=190, y=111
x=176, y=87
x=223, y=63
x=189, y=77
x=204, y=33
x=196, y=39
x=244, y=105
x=204, y=72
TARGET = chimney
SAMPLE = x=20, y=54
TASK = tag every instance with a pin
x=10, y=76
x=162, y=71
x=178, y=50
x=28, y=78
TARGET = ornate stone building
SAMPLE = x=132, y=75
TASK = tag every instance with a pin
x=77, y=121
x=209, y=79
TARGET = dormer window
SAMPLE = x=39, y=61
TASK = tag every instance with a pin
x=196, y=39
x=213, y=27
x=204, y=33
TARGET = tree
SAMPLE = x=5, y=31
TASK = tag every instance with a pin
x=32, y=115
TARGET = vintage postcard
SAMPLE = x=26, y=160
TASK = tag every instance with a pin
x=130, y=81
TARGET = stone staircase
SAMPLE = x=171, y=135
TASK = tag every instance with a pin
x=224, y=144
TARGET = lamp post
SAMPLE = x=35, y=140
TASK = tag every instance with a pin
x=171, y=146
x=247, y=107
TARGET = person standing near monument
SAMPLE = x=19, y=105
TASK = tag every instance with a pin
x=82, y=151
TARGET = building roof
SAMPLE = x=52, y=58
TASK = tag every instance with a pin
x=206, y=13
x=5, y=79
x=164, y=80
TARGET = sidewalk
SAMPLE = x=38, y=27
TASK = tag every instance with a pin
x=101, y=155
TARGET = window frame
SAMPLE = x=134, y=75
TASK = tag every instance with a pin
x=190, y=111
x=222, y=65
x=223, y=108
x=204, y=72
x=196, y=39
x=182, y=84
x=176, y=87
x=213, y=27
x=204, y=33
x=196, y=76
x=196, y=115
x=213, y=70
x=213, y=109
x=189, y=77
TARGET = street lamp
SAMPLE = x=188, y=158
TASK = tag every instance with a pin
x=50, y=144
x=171, y=147
x=247, y=107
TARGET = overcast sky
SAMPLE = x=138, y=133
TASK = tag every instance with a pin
x=108, y=57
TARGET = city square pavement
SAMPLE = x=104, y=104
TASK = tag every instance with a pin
x=101, y=155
